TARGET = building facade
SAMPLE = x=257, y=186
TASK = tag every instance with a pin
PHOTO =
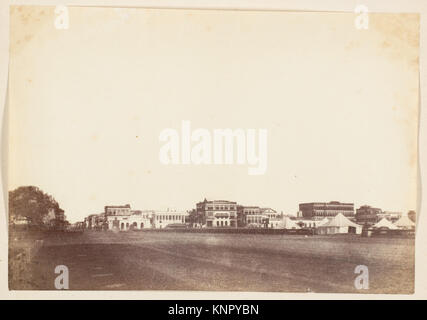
x=320, y=210
x=367, y=215
x=218, y=213
x=122, y=218
x=117, y=210
x=169, y=218
x=128, y=222
x=390, y=215
x=275, y=220
x=254, y=216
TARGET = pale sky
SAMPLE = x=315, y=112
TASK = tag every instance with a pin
x=87, y=105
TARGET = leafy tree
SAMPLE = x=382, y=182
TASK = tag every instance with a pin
x=195, y=217
x=31, y=202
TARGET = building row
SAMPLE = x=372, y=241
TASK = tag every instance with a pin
x=224, y=213
x=208, y=213
x=230, y=214
x=365, y=215
x=121, y=217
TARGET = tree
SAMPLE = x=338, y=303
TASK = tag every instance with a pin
x=196, y=218
x=31, y=202
x=412, y=215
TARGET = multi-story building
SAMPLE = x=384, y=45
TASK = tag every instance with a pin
x=218, y=213
x=117, y=210
x=274, y=219
x=367, y=215
x=270, y=213
x=163, y=219
x=123, y=218
x=128, y=222
x=96, y=221
x=254, y=216
x=320, y=210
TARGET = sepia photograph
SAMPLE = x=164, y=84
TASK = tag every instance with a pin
x=212, y=150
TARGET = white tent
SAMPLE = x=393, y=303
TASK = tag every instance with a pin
x=322, y=222
x=290, y=224
x=339, y=224
x=384, y=223
x=404, y=223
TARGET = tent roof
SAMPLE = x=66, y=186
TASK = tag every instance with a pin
x=404, y=221
x=323, y=221
x=385, y=223
x=289, y=224
x=340, y=221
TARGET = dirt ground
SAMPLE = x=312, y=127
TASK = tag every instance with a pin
x=215, y=262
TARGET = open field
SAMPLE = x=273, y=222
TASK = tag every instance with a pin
x=229, y=262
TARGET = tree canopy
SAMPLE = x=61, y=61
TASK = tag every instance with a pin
x=31, y=202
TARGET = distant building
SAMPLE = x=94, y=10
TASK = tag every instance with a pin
x=390, y=215
x=163, y=219
x=310, y=223
x=125, y=221
x=218, y=213
x=367, y=215
x=117, y=210
x=20, y=221
x=271, y=218
x=122, y=218
x=253, y=216
x=275, y=220
x=55, y=218
x=320, y=210
x=95, y=221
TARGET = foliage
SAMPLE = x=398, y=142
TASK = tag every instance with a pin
x=31, y=202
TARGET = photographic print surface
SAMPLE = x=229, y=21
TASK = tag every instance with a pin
x=213, y=150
